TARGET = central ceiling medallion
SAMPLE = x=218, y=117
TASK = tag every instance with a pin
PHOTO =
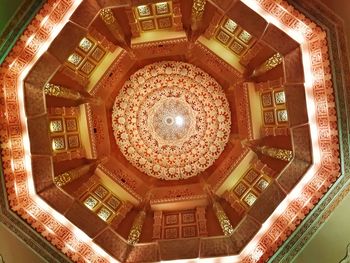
x=171, y=120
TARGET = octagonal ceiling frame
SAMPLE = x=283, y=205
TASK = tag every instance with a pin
x=21, y=192
x=339, y=62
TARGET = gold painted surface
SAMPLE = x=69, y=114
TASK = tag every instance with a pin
x=281, y=154
x=136, y=228
x=224, y=221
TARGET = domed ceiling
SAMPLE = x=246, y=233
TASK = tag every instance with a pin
x=145, y=131
x=171, y=120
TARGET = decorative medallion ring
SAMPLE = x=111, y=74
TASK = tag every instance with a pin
x=171, y=120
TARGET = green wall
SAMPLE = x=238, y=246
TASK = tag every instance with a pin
x=8, y=9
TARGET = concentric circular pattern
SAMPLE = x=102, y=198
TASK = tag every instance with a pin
x=171, y=120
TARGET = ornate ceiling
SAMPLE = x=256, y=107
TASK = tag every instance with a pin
x=145, y=131
x=171, y=120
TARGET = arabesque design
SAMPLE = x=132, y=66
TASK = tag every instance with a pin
x=171, y=120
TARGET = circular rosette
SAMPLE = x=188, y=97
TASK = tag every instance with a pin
x=171, y=120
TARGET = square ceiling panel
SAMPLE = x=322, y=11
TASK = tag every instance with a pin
x=147, y=25
x=164, y=22
x=162, y=8
x=144, y=10
x=223, y=37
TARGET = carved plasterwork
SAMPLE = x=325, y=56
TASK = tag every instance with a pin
x=170, y=132
x=62, y=234
x=215, y=65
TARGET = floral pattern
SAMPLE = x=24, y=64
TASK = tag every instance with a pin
x=171, y=120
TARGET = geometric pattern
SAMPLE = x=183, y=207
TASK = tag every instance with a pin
x=223, y=37
x=104, y=213
x=71, y=124
x=75, y=59
x=189, y=217
x=73, y=141
x=250, y=198
x=147, y=24
x=189, y=231
x=240, y=189
x=144, y=10
x=266, y=99
x=87, y=67
x=85, y=45
x=56, y=126
x=58, y=143
x=168, y=132
x=171, y=233
x=97, y=54
x=269, y=117
x=280, y=97
x=101, y=192
x=172, y=219
x=162, y=8
x=282, y=116
x=33, y=211
x=245, y=36
x=164, y=22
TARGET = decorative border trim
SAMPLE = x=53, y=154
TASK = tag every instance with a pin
x=72, y=241
x=320, y=101
x=15, y=143
x=337, y=43
x=18, y=23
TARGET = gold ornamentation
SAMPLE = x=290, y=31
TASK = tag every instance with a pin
x=273, y=61
x=69, y=176
x=223, y=219
x=136, y=228
x=198, y=9
x=58, y=91
x=281, y=154
x=62, y=179
x=107, y=16
x=269, y=64
x=113, y=26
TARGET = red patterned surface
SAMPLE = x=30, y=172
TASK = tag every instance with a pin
x=171, y=120
x=75, y=244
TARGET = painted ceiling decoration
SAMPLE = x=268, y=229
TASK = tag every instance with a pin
x=168, y=130
x=171, y=120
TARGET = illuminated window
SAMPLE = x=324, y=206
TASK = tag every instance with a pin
x=64, y=131
x=144, y=10
x=91, y=202
x=274, y=108
x=250, y=198
x=86, y=56
x=75, y=59
x=58, y=143
x=104, y=213
x=154, y=16
x=56, y=125
x=86, y=44
x=250, y=186
x=233, y=37
x=102, y=202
